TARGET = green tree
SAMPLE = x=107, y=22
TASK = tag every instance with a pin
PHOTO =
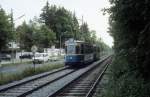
x=129, y=22
x=35, y=33
x=63, y=23
x=84, y=32
x=129, y=26
x=44, y=37
x=5, y=29
x=25, y=33
x=93, y=37
x=75, y=27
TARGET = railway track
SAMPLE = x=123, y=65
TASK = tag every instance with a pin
x=85, y=85
x=49, y=84
x=26, y=87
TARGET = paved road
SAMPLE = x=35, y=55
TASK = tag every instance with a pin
x=20, y=68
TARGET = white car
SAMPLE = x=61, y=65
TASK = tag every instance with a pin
x=54, y=58
x=40, y=57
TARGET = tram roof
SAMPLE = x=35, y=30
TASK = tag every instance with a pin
x=79, y=41
x=75, y=42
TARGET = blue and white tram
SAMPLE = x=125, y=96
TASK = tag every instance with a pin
x=79, y=53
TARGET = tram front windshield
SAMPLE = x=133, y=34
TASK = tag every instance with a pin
x=71, y=49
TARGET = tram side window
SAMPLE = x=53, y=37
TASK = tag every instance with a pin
x=78, y=49
x=86, y=49
x=82, y=49
x=89, y=49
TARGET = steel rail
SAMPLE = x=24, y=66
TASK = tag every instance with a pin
x=12, y=85
x=31, y=91
x=59, y=91
x=46, y=75
x=91, y=91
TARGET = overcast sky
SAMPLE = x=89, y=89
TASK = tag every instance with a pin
x=89, y=9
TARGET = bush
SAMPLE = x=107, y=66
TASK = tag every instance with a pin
x=124, y=82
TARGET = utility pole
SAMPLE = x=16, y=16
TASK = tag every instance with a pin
x=82, y=34
x=19, y=40
x=60, y=43
x=14, y=41
x=14, y=35
x=82, y=19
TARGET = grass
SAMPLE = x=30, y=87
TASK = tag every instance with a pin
x=15, y=64
x=7, y=78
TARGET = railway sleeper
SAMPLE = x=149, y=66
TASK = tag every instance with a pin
x=77, y=90
x=73, y=94
x=8, y=94
x=84, y=84
x=80, y=88
x=69, y=96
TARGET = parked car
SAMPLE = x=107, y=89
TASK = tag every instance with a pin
x=26, y=56
x=54, y=58
x=40, y=57
x=6, y=57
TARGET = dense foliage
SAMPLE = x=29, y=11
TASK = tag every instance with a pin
x=25, y=34
x=61, y=21
x=130, y=27
x=5, y=29
x=35, y=34
x=54, y=26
